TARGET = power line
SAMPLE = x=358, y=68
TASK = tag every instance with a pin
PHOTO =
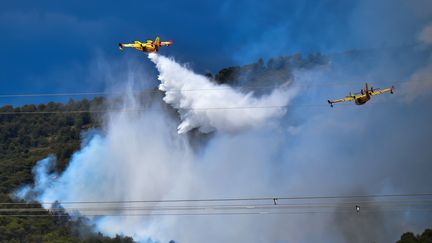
x=140, y=110
x=57, y=94
x=230, y=206
x=215, y=208
x=243, y=199
x=219, y=213
x=155, y=90
x=179, y=108
x=147, y=109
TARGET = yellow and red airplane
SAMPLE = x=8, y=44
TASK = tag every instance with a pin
x=149, y=46
x=362, y=97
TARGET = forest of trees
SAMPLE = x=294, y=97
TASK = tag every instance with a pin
x=425, y=237
x=31, y=132
x=275, y=71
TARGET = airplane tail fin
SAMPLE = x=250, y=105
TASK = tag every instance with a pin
x=157, y=41
x=367, y=90
x=120, y=46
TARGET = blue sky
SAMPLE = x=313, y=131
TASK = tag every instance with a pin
x=48, y=46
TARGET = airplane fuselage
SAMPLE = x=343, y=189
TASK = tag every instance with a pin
x=147, y=47
x=361, y=100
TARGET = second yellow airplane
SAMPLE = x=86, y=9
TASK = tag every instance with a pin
x=149, y=46
x=362, y=97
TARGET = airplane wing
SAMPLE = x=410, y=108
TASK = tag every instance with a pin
x=348, y=98
x=380, y=91
x=166, y=43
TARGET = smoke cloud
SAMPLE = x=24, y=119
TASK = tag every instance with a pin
x=426, y=35
x=140, y=156
x=199, y=101
x=420, y=82
x=43, y=176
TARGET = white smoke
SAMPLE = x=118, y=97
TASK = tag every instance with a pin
x=43, y=179
x=419, y=85
x=203, y=104
x=141, y=156
x=425, y=35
